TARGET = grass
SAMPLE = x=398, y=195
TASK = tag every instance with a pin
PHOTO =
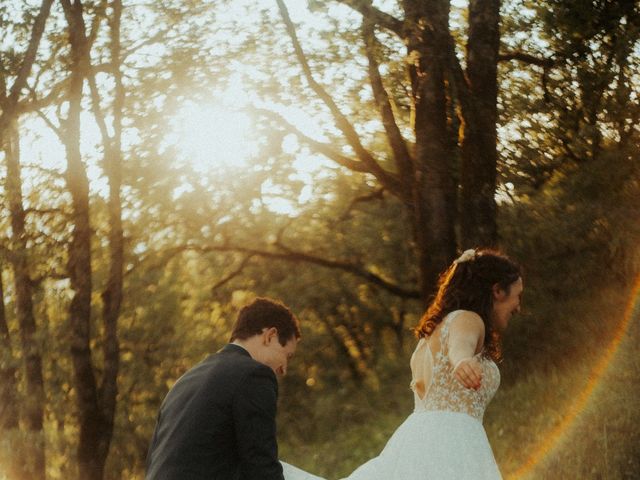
x=604, y=441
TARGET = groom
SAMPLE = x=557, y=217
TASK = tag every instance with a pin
x=218, y=420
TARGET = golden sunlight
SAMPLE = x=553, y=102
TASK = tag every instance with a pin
x=210, y=136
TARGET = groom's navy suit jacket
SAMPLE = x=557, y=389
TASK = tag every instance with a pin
x=218, y=423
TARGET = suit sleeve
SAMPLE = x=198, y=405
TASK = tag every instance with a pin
x=254, y=411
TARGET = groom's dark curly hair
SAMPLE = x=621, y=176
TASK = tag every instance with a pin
x=468, y=285
x=266, y=313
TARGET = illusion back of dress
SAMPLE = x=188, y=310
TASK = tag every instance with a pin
x=433, y=384
x=443, y=439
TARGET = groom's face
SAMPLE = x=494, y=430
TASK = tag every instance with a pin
x=275, y=355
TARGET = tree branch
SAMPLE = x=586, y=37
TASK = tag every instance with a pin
x=289, y=255
x=376, y=16
x=32, y=49
x=42, y=211
x=98, y=114
x=377, y=194
x=352, y=137
x=527, y=58
x=302, y=257
x=323, y=148
x=34, y=103
x=95, y=23
x=397, y=143
x=157, y=37
x=168, y=255
x=233, y=274
x=460, y=81
x=55, y=128
x=48, y=171
x=3, y=91
x=27, y=63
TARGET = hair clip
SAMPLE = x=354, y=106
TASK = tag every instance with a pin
x=466, y=256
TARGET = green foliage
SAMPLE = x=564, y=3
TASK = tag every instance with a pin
x=201, y=244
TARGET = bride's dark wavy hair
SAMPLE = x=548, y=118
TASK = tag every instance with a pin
x=469, y=286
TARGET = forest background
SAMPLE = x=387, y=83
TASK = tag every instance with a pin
x=164, y=162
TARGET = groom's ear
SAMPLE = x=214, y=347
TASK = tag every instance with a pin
x=268, y=334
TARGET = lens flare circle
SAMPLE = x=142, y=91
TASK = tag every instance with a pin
x=551, y=439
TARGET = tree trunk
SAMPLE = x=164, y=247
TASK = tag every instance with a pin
x=425, y=178
x=112, y=294
x=33, y=402
x=434, y=189
x=478, y=130
x=30, y=463
x=98, y=406
x=79, y=269
x=356, y=374
x=79, y=253
x=9, y=414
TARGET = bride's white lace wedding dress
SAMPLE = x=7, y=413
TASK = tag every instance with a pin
x=443, y=438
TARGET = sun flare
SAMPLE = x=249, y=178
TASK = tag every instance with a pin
x=210, y=136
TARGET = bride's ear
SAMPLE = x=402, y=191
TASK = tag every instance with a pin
x=498, y=292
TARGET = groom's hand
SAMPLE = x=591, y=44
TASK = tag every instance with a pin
x=469, y=373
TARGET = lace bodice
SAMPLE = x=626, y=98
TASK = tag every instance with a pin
x=434, y=385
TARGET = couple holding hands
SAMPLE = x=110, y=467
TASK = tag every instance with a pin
x=218, y=421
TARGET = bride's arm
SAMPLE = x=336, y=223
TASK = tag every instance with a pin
x=465, y=336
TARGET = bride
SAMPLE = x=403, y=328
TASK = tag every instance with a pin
x=454, y=377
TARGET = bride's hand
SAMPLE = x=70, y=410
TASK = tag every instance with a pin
x=469, y=373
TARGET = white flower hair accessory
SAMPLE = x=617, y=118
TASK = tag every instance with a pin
x=466, y=256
